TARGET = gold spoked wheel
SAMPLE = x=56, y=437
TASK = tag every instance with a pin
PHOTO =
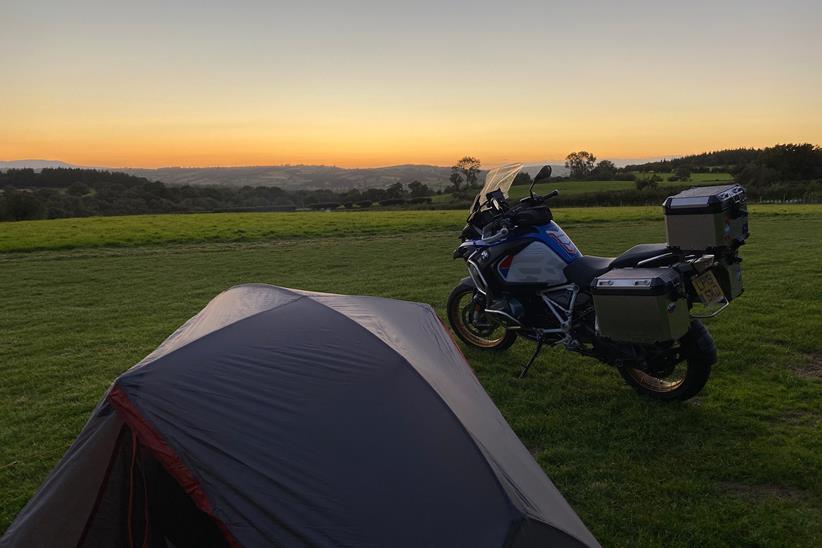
x=667, y=381
x=682, y=380
x=474, y=327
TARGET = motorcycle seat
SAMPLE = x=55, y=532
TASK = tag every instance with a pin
x=639, y=253
x=583, y=270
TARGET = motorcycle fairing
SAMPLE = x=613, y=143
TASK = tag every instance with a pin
x=550, y=234
x=533, y=256
x=559, y=242
x=496, y=251
x=535, y=264
x=555, y=238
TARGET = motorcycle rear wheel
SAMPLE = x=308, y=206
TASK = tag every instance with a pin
x=461, y=312
x=685, y=380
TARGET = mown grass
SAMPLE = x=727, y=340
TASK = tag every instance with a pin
x=245, y=227
x=741, y=465
x=141, y=230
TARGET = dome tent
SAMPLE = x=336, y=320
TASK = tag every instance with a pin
x=277, y=417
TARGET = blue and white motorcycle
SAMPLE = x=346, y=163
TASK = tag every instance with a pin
x=528, y=279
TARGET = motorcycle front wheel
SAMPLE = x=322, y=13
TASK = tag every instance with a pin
x=472, y=325
x=685, y=380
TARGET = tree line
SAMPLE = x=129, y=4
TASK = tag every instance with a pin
x=791, y=162
x=792, y=170
x=62, y=192
x=782, y=172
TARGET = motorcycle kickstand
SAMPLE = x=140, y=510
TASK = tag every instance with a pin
x=528, y=365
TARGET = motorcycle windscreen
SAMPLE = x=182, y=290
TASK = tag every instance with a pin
x=498, y=178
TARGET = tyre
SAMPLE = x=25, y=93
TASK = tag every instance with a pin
x=685, y=380
x=472, y=326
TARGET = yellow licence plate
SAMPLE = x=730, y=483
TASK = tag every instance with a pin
x=708, y=288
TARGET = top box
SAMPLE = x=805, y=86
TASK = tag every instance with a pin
x=707, y=218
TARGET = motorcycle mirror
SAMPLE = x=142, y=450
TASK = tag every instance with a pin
x=543, y=175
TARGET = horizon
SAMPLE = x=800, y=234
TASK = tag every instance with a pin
x=160, y=85
x=618, y=161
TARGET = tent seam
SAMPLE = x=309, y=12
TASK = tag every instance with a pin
x=476, y=445
x=140, y=364
x=522, y=512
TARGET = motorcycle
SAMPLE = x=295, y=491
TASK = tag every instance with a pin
x=634, y=312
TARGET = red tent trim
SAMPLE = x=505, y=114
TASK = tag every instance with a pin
x=166, y=456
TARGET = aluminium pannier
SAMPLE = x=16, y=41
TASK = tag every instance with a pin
x=706, y=218
x=641, y=305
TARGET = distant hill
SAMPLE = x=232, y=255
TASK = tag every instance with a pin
x=297, y=176
x=289, y=177
x=32, y=164
x=557, y=170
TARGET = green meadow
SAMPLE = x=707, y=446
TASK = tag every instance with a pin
x=571, y=188
x=740, y=465
x=582, y=187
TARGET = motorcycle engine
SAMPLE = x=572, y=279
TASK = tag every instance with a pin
x=508, y=310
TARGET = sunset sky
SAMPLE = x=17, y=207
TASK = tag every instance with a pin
x=147, y=83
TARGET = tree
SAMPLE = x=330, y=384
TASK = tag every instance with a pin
x=354, y=195
x=522, y=179
x=455, y=178
x=469, y=168
x=20, y=205
x=648, y=182
x=418, y=189
x=78, y=188
x=683, y=173
x=580, y=163
x=755, y=175
x=605, y=171
x=395, y=190
x=793, y=162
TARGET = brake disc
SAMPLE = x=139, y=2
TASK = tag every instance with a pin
x=478, y=329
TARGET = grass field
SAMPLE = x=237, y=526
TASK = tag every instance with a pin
x=582, y=187
x=142, y=230
x=741, y=465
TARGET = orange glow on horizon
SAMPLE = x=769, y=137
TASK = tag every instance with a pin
x=167, y=151
x=290, y=84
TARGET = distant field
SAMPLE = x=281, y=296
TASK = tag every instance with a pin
x=581, y=187
x=741, y=465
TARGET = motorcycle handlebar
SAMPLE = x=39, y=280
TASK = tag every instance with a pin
x=551, y=194
x=498, y=236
